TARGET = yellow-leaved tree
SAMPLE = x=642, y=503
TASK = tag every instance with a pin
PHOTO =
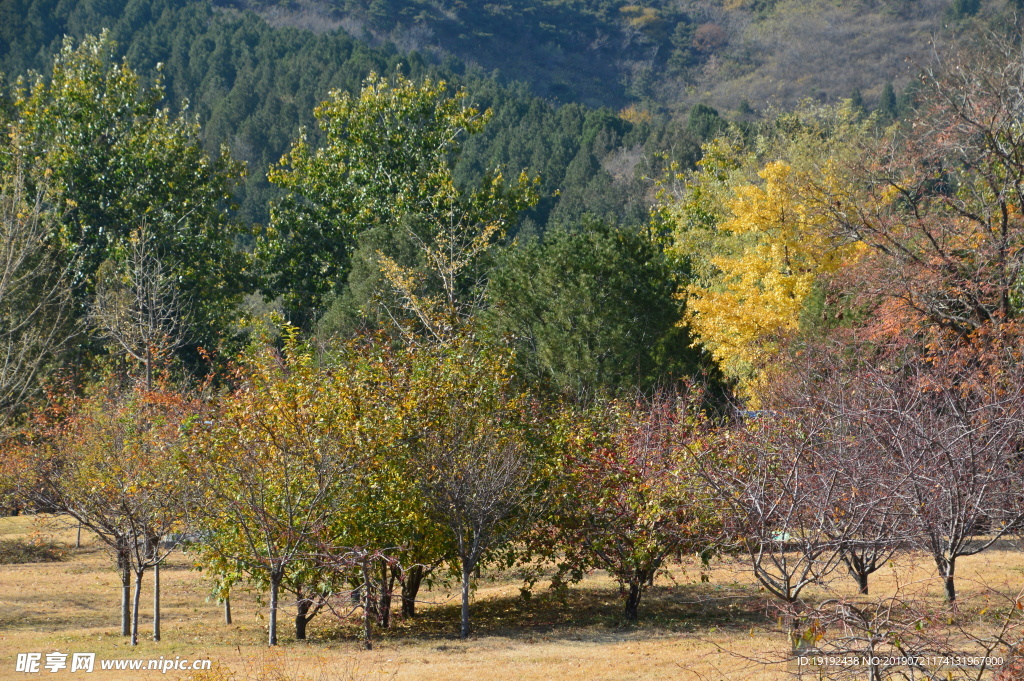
x=752, y=226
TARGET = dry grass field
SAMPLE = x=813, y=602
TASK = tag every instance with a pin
x=688, y=629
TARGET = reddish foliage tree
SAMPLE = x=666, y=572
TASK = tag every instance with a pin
x=630, y=490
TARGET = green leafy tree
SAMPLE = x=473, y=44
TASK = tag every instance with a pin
x=591, y=311
x=386, y=510
x=116, y=159
x=273, y=462
x=475, y=458
x=386, y=168
x=887, y=105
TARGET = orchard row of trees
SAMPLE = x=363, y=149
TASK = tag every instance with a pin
x=349, y=476
x=367, y=468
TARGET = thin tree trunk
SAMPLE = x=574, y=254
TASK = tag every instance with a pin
x=275, y=581
x=410, y=588
x=367, y=622
x=78, y=539
x=126, y=593
x=227, y=610
x=301, y=619
x=156, y=601
x=467, y=572
x=135, y=605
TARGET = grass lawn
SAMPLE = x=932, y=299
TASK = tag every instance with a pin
x=688, y=629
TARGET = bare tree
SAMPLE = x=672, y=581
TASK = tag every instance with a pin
x=955, y=446
x=825, y=394
x=869, y=518
x=139, y=309
x=477, y=480
x=779, y=499
x=35, y=299
x=901, y=636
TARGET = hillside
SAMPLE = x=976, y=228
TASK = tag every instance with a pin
x=736, y=55
x=253, y=70
x=252, y=85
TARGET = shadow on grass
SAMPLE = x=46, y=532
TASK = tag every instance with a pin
x=20, y=551
x=580, y=614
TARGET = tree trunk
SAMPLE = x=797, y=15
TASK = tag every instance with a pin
x=156, y=601
x=388, y=574
x=78, y=539
x=126, y=593
x=301, y=619
x=862, y=582
x=947, y=570
x=410, y=588
x=227, y=610
x=367, y=622
x=135, y=606
x=633, y=599
x=275, y=583
x=467, y=572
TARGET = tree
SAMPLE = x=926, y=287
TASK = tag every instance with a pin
x=386, y=167
x=387, y=512
x=941, y=212
x=759, y=291
x=115, y=160
x=903, y=635
x=139, y=311
x=753, y=229
x=887, y=106
x=591, y=311
x=35, y=306
x=630, y=495
x=444, y=293
x=818, y=383
x=477, y=484
x=779, y=500
x=111, y=462
x=473, y=461
x=955, y=449
x=273, y=461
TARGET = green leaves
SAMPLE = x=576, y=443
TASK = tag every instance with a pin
x=117, y=161
x=591, y=311
x=386, y=167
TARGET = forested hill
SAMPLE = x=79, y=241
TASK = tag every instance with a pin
x=637, y=79
x=663, y=54
x=252, y=85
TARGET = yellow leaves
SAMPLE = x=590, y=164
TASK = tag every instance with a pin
x=777, y=246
